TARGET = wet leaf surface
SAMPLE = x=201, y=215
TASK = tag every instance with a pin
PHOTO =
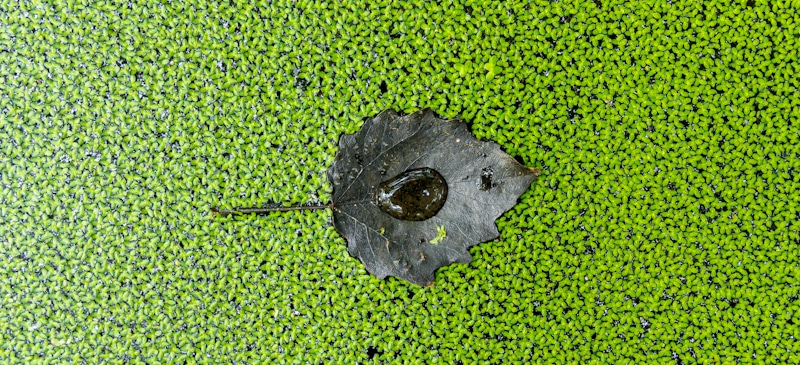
x=412, y=193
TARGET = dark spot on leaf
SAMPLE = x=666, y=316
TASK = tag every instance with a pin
x=486, y=178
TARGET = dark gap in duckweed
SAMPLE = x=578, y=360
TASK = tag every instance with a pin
x=302, y=84
x=372, y=352
x=572, y=113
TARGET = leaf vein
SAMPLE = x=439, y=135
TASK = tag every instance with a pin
x=379, y=155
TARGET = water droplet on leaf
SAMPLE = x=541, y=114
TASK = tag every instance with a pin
x=414, y=195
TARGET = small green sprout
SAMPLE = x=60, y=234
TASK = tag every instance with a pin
x=440, y=235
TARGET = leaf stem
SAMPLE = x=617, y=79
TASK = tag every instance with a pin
x=235, y=211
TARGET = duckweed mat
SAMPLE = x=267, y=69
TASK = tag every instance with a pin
x=664, y=228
